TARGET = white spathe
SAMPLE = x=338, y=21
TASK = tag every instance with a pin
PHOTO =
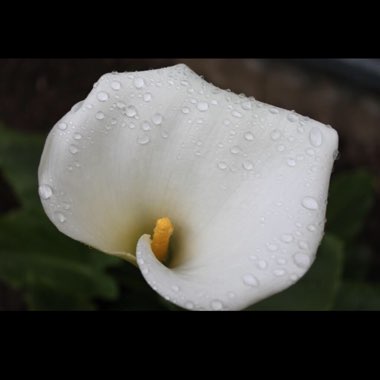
x=244, y=183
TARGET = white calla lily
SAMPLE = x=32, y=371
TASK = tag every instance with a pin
x=244, y=184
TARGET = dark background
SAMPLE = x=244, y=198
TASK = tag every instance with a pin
x=36, y=93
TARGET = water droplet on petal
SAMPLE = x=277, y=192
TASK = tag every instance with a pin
x=273, y=110
x=60, y=217
x=147, y=97
x=272, y=247
x=275, y=135
x=202, y=106
x=222, y=165
x=77, y=136
x=73, y=149
x=301, y=260
x=77, y=106
x=303, y=244
x=279, y=272
x=291, y=162
x=311, y=228
x=235, y=150
x=310, y=203
x=281, y=148
x=185, y=110
x=250, y=280
x=116, y=85
x=287, y=238
x=237, y=114
x=143, y=140
x=189, y=305
x=310, y=152
x=248, y=165
x=45, y=192
x=216, y=305
x=157, y=119
x=175, y=288
x=262, y=264
x=139, y=83
x=249, y=136
x=246, y=106
x=99, y=115
x=62, y=126
x=131, y=111
x=292, y=117
x=145, y=271
x=146, y=126
x=315, y=137
x=102, y=96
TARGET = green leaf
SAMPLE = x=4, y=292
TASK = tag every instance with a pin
x=318, y=288
x=19, y=159
x=52, y=270
x=351, y=198
x=358, y=296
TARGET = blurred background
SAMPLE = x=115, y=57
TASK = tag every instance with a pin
x=40, y=269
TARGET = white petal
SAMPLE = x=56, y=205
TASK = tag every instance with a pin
x=241, y=181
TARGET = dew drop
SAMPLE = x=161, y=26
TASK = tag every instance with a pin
x=45, y=192
x=77, y=106
x=249, y=136
x=231, y=295
x=202, y=106
x=281, y=148
x=246, y=106
x=235, y=150
x=237, y=114
x=143, y=140
x=62, y=126
x=73, y=149
x=175, y=288
x=274, y=111
x=272, y=247
x=311, y=228
x=185, y=110
x=140, y=261
x=301, y=260
x=292, y=117
x=60, y=217
x=216, y=305
x=77, y=136
x=147, y=97
x=279, y=272
x=99, y=115
x=120, y=105
x=250, y=280
x=315, y=137
x=116, y=85
x=247, y=165
x=222, y=165
x=287, y=238
x=146, y=126
x=102, y=96
x=131, y=111
x=262, y=264
x=275, y=135
x=291, y=162
x=145, y=271
x=310, y=203
x=303, y=245
x=157, y=119
x=139, y=83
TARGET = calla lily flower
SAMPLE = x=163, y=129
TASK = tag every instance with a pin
x=217, y=198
